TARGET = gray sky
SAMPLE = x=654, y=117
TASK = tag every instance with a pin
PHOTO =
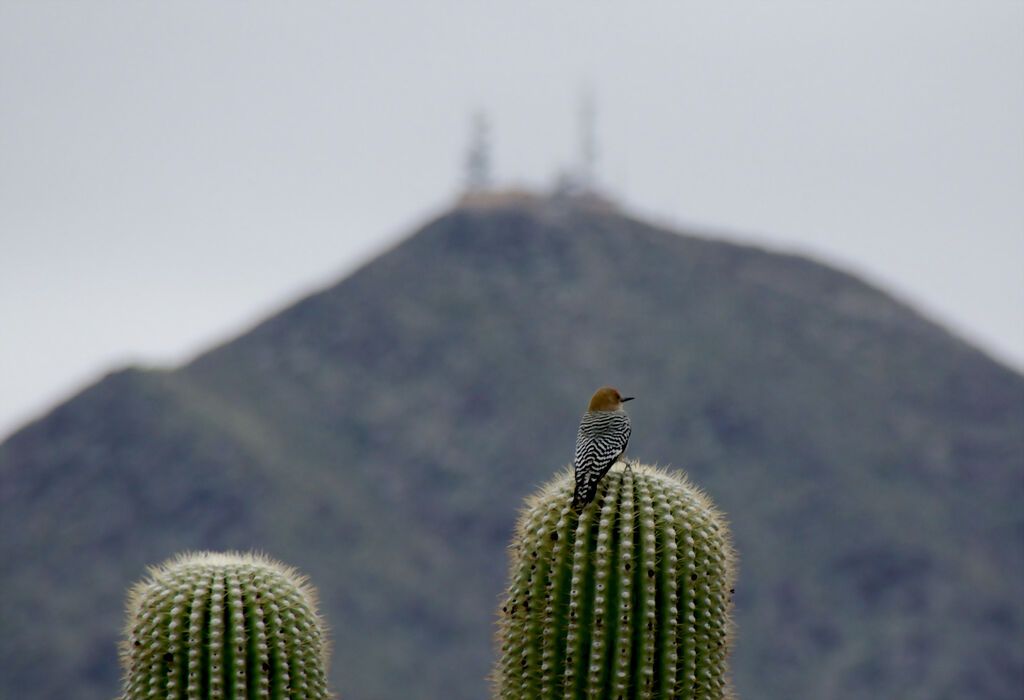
x=171, y=172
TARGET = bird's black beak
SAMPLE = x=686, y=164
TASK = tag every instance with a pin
x=627, y=398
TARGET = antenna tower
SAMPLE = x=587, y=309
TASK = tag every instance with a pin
x=588, y=141
x=478, y=156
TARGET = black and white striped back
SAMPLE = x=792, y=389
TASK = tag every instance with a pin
x=601, y=440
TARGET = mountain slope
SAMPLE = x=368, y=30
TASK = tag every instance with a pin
x=381, y=434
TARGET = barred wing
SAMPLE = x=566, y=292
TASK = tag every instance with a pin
x=602, y=438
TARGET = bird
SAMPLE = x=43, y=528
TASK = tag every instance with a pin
x=601, y=441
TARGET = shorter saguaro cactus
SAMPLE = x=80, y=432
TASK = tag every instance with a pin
x=210, y=626
x=629, y=599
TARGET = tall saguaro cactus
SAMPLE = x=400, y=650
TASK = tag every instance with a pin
x=211, y=626
x=630, y=599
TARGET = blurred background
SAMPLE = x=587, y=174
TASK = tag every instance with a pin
x=172, y=173
x=243, y=247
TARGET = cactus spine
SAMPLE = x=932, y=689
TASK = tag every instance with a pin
x=630, y=599
x=210, y=626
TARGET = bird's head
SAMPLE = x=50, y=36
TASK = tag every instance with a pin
x=607, y=398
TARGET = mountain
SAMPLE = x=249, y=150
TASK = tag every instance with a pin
x=381, y=434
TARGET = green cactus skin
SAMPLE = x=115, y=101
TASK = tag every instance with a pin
x=211, y=626
x=629, y=599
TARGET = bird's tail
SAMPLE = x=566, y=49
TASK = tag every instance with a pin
x=583, y=495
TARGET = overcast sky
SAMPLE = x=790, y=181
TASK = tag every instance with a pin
x=170, y=172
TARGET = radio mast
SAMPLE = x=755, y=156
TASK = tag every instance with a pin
x=478, y=155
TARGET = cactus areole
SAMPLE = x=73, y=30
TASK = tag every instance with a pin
x=630, y=599
x=211, y=626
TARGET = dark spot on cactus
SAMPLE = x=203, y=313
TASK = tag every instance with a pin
x=732, y=590
x=138, y=643
x=504, y=608
x=554, y=536
x=650, y=573
x=693, y=577
x=650, y=625
x=168, y=657
x=600, y=503
x=265, y=666
x=627, y=567
x=535, y=554
x=526, y=605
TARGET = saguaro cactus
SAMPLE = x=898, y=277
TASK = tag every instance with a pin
x=630, y=599
x=211, y=626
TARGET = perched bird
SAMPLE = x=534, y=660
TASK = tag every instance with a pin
x=604, y=433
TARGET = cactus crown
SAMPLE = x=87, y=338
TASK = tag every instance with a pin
x=217, y=626
x=629, y=599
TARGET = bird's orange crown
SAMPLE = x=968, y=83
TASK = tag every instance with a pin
x=607, y=398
